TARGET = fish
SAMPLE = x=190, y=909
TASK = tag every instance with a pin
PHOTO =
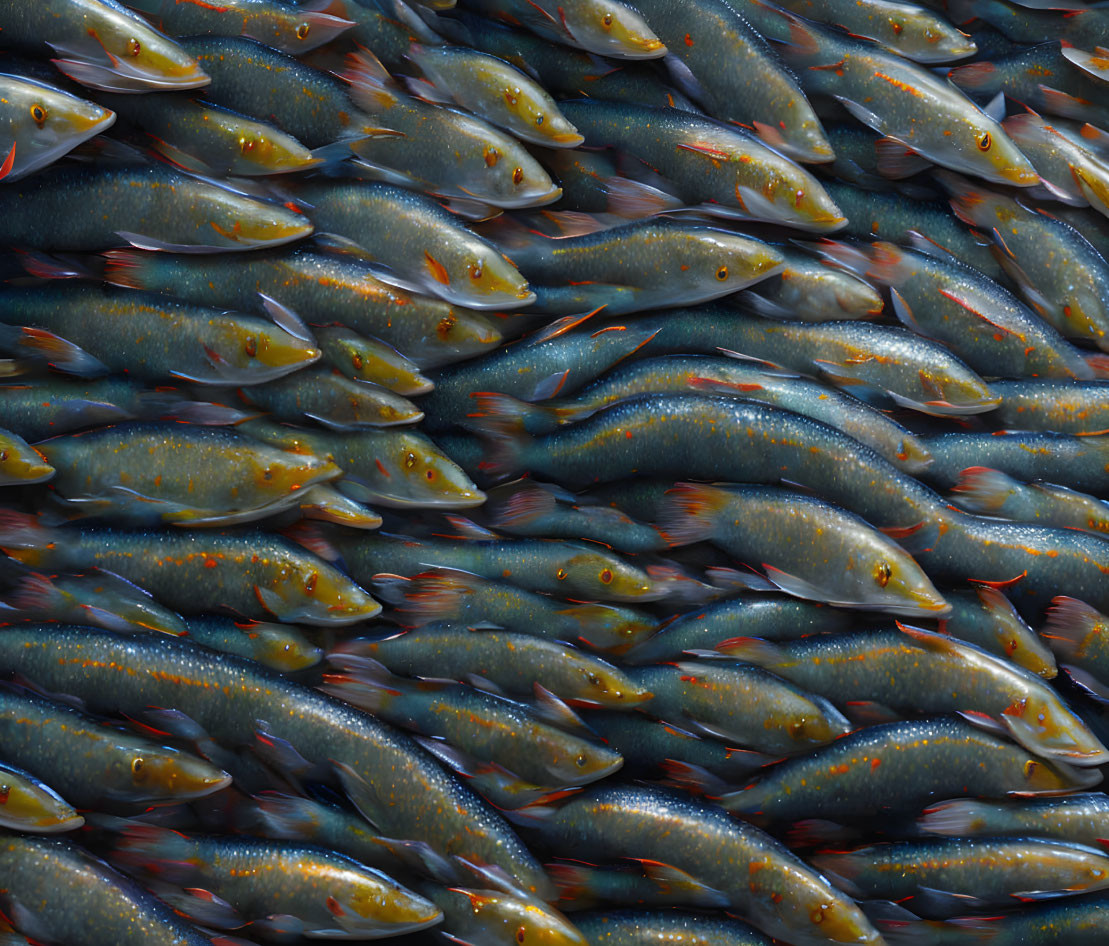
x=33, y=806
x=716, y=167
x=985, y=617
x=627, y=927
x=495, y=90
x=902, y=670
x=1068, y=171
x=394, y=783
x=899, y=767
x=780, y=894
x=187, y=475
x=807, y=548
x=583, y=886
x=20, y=463
x=424, y=248
x=739, y=704
x=44, y=122
x=1078, y=407
x=512, y=663
x=254, y=575
x=103, y=45
x=272, y=887
x=497, y=917
x=151, y=207
x=282, y=647
x=366, y=359
x=993, y=493
x=1076, y=633
x=92, y=765
x=1077, y=818
x=326, y=503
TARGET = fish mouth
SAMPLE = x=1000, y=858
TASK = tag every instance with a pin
x=568, y=139
x=651, y=47
x=1020, y=177
x=89, y=125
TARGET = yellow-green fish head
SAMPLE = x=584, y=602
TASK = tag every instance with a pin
x=28, y=805
x=316, y=593
x=277, y=473
x=532, y=921
x=605, y=577
x=163, y=775
x=607, y=686
x=492, y=280
x=21, y=463
x=283, y=648
x=513, y=178
x=899, y=586
x=421, y=472
x=368, y=905
x=982, y=148
x=267, y=351
x=1043, y=723
x=588, y=763
x=613, y=29
x=271, y=152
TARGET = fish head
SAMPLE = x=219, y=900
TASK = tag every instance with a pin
x=855, y=297
x=510, y=177
x=602, y=684
x=263, y=150
x=1041, y=722
x=158, y=774
x=729, y=262
x=982, y=148
x=277, y=473
x=613, y=29
x=492, y=280
x=28, y=805
x=282, y=647
x=313, y=592
x=251, y=348
x=243, y=223
x=365, y=903
x=597, y=575
x=306, y=31
x=925, y=38
x=415, y=471
x=1044, y=777
x=887, y=578
x=584, y=762
x=531, y=920
x=545, y=123
x=912, y=455
x=21, y=463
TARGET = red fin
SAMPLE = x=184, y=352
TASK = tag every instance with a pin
x=9, y=163
x=1001, y=584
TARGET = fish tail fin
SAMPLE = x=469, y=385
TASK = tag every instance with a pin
x=508, y=454
x=369, y=81
x=693, y=778
x=974, y=75
x=843, y=255
x=691, y=512
x=437, y=595
x=972, y=204
x=886, y=264
x=36, y=593
x=802, y=40
x=125, y=268
x=25, y=538
x=840, y=868
x=285, y=817
x=371, y=687
x=896, y=160
x=753, y=650
x=502, y=413
x=1073, y=625
x=983, y=490
x=524, y=507
x=633, y=199
x=156, y=851
x=40, y=345
x=960, y=817
x=575, y=883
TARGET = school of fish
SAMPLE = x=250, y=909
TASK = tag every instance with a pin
x=554, y=472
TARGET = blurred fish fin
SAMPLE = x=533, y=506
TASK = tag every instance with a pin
x=899, y=927
x=995, y=107
x=279, y=753
x=983, y=490
x=204, y=413
x=524, y=507
x=368, y=79
x=53, y=349
x=693, y=778
x=360, y=792
x=124, y=268
x=427, y=91
x=21, y=530
x=575, y=883
x=494, y=877
x=690, y=513
x=1087, y=682
x=962, y=816
x=285, y=318
x=860, y=112
x=278, y=926
x=555, y=710
x=984, y=722
x=139, y=241
x=51, y=266
x=760, y=305
x=311, y=537
x=753, y=650
x=921, y=537
x=539, y=811
x=363, y=689
x=903, y=310
x=839, y=868
x=280, y=816
x=973, y=75
x=929, y=247
x=447, y=754
x=794, y=584
x=554, y=330
x=676, y=882
x=506, y=452
x=479, y=682
x=845, y=256
x=740, y=356
x=731, y=578
x=896, y=160
x=202, y=906
x=182, y=159
x=154, y=850
x=869, y=713
x=634, y=199
x=36, y=593
x=1071, y=624
x=467, y=529
x=1060, y=103
x=549, y=386
x=930, y=640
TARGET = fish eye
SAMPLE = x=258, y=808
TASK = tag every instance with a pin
x=302, y=30
x=985, y=142
x=267, y=474
x=593, y=679
x=356, y=360
x=491, y=156
x=251, y=346
x=518, y=176
x=246, y=145
x=722, y=273
x=138, y=768
x=38, y=113
x=606, y=576
x=5, y=791
x=521, y=934
x=1011, y=647
x=1030, y=768
x=134, y=47
x=3, y=456
x=539, y=119
x=896, y=27
x=310, y=584
x=409, y=461
x=430, y=474
x=882, y=574
x=606, y=20
x=475, y=271
x=580, y=761
x=561, y=574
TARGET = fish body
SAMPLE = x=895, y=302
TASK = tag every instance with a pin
x=329, y=505
x=148, y=336
x=986, y=618
x=395, y=784
x=1066, y=407
x=514, y=663
x=899, y=767
x=608, y=927
x=33, y=806
x=1076, y=818
x=739, y=704
x=499, y=918
x=710, y=163
x=993, y=493
x=1069, y=171
x=45, y=123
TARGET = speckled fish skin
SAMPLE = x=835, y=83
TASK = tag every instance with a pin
x=332, y=400
x=759, y=876
x=706, y=374
x=513, y=662
x=739, y=704
x=1067, y=407
x=1025, y=25
x=982, y=322
x=1069, y=171
x=1065, y=459
x=498, y=92
x=659, y=262
x=993, y=493
x=153, y=206
x=985, y=617
x=912, y=31
x=901, y=670
x=806, y=547
x=207, y=139
x=900, y=767
x=534, y=367
x=418, y=240
x=366, y=359
x=914, y=371
x=902, y=100
x=496, y=918
x=740, y=78
x=320, y=287
x=1076, y=818
x=94, y=765
x=584, y=887
x=255, y=575
x=44, y=122
x=485, y=727
x=256, y=80
x=587, y=571
x=72, y=897
x=763, y=616
x=461, y=598
x=280, y=25
x=646, y=928
x=1070, y=295
x=1081, y=923
x=153, y=338
x=395, y=783
x=389, y=467
x=33, y=806
x=278, y=646
x=709, y=163
x=607, y=27
x=102, y=44
x=20, y=463
x=187, y=474
x=260, y=879
x=982, y=872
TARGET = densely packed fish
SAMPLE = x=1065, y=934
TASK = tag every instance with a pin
x=609, y=472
